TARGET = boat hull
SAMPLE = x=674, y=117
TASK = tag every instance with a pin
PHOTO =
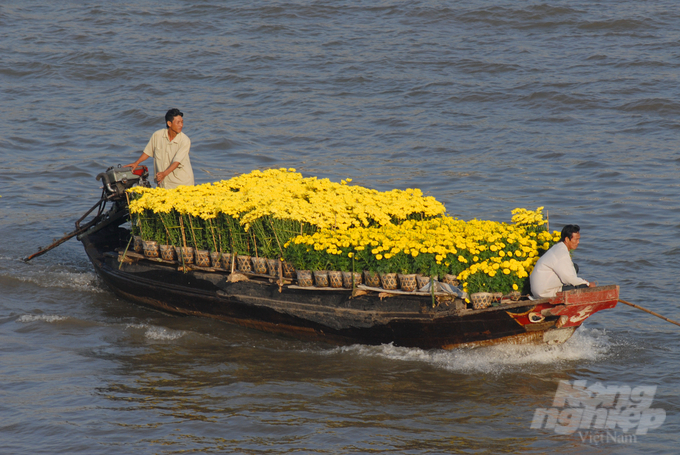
x=336, y=316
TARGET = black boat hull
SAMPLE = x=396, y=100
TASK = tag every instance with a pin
x=338, y=317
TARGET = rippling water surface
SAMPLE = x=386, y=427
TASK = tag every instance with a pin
x=485, y=105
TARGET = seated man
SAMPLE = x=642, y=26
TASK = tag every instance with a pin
x=554, y=272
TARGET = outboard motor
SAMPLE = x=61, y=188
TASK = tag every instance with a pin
x=117, y=179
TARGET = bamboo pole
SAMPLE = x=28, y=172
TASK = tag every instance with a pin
x=212, y=230
x=193, y=235
x=650, y=312
x=167, y=231
x=276, y=236
x=252, y=234
x=181, y=226
x=120, y=263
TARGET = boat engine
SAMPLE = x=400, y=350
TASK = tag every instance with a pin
x=117, y=179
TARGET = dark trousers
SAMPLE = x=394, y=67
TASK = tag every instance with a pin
x=569, y=287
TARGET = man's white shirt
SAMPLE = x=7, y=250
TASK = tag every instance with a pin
x=553, y=270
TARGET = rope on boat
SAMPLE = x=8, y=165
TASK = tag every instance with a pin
x=650, y=312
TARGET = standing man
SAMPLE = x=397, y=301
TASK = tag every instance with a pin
x=554, y=272
x=169, y=148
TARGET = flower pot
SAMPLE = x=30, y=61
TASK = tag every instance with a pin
x=202, y=258
x=185, y=254
x=226, y=261
x=321, y=278
x=168, y=253
x=137, y=244
x=372, y=279
x=388, y=281
x=408, y=282
x=288, y=269
x=451, y=279
x=481, y=300
x=273, y=266
x=347, y=279
x=422, y=281
x=259, y=265
x=151, y=249
x=335, y=278
x=244, y=264
x=304, y=278
x=216, y=259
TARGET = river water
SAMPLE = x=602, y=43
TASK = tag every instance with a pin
x=486, y=105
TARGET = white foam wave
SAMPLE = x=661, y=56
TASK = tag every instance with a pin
x=585, y=344
x=158, y=333
x=79, y=281
x=40, y=317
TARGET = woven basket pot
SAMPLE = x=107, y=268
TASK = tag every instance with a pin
x=451, y=279
x=168, y=253
x=259, y=265
x=137, y=244
x=185, y=254
x=422, y=280
x=335, y=278
x=288, y=270
x=216, y=259
x=202, y=258
x=388, y=281
x=304, y=278
x=481, y=300
x=226, y=261
x=321, y=278
x=273, y=266
x=408, y=282
x=347, y=279
x=244, y=264
x=372, y=279
x=151, y=249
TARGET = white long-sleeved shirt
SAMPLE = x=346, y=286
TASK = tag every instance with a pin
x=553, y=270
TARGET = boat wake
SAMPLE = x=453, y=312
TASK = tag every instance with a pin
x=41, y=317
x=156, y=333
x=147, y=331
x=77, y=281
x=585, y=344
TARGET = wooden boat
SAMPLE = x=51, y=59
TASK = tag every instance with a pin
x=338, y=316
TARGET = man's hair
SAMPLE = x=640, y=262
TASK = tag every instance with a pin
x=172, y=113
x=568, y=231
